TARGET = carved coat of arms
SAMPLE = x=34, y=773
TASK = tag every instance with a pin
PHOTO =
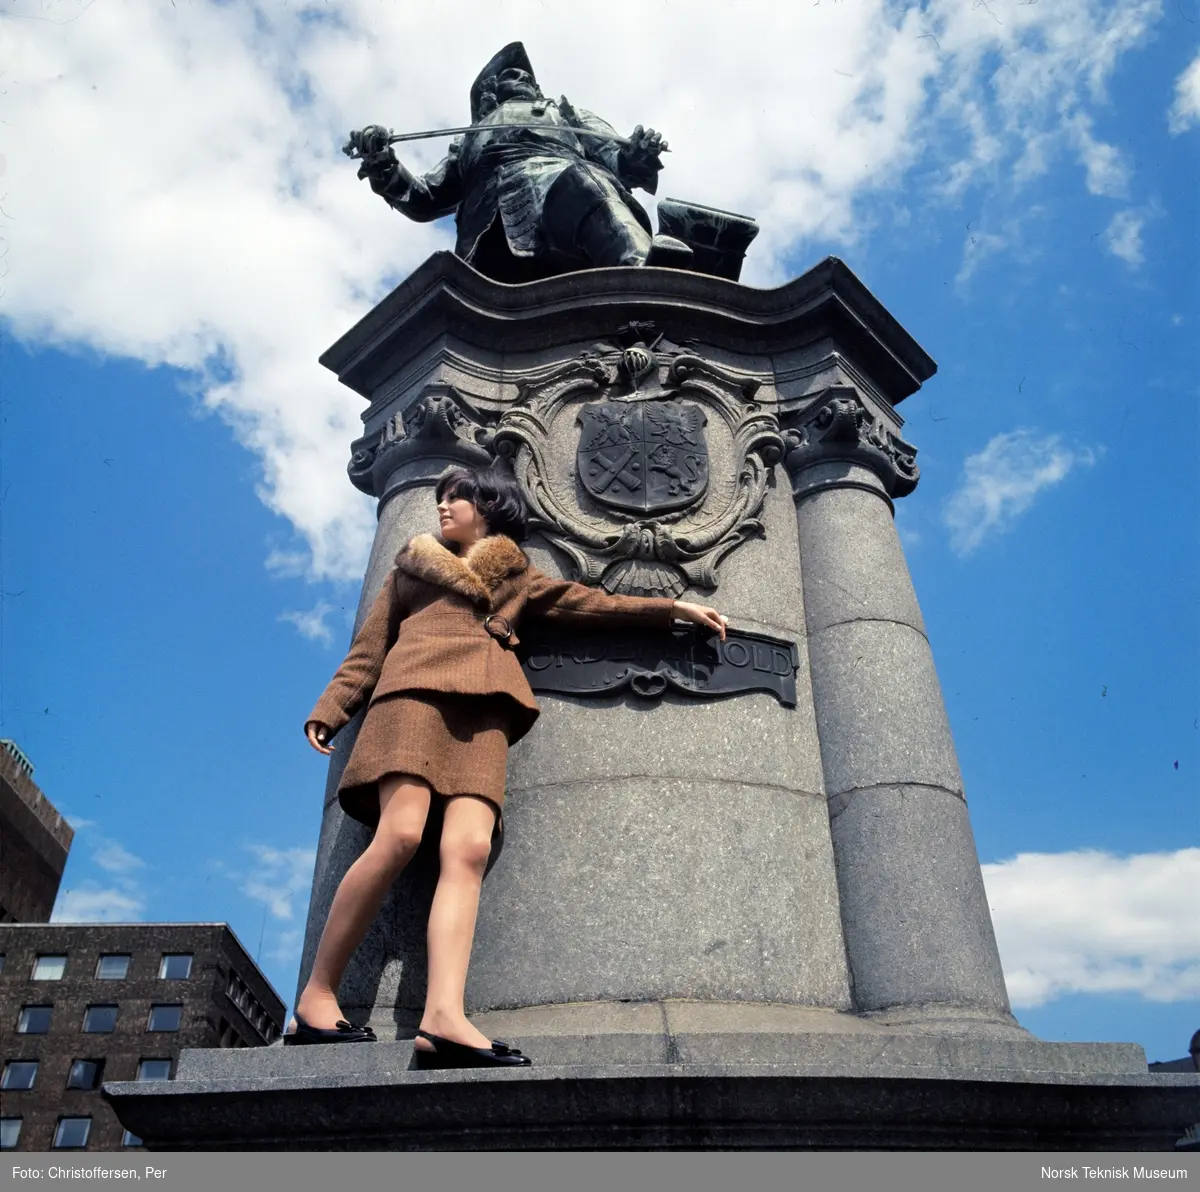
x=643, y=456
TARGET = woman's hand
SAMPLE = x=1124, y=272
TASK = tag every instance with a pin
x=700, y=614
x=318, y=735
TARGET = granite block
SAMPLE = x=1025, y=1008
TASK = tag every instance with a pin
x=835, y=1052
x=879, y=709
x=688, y=1032
x=868, y=581
x=748, y=738
x=446, y=300
x=843, y=1105
x=655, y=887
x=913, y=905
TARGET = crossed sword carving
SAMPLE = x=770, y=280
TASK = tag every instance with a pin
x=617, y=470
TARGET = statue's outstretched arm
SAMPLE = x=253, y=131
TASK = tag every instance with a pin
x=422, y=197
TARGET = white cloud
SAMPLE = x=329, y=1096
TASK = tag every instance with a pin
x=1185, y=111
x=115, y=858
x=279, y=878
x=1091, y=922
x=977, y=247
x=1002, y=481
x=90, y=902
x=906, y=526
x=1123, y=237
x=209, y=222
x=285, y=949
x=1107, y=173
x=311, y=624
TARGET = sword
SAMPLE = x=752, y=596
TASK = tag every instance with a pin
x=367, y=142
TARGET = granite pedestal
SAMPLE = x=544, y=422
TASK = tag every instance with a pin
x=735, y=921
x=678, y=1075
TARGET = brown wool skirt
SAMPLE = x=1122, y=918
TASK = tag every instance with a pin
x=456, y=743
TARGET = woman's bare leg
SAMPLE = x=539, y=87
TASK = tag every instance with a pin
x=466, y=844
x=403, y=806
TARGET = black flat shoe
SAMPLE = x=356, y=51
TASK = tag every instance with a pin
x=343, y=1032
x=448, y=1054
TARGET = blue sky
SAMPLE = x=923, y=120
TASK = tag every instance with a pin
x=181, y=549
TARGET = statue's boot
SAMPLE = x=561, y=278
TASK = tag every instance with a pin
x=670, y=253
x=586, y=217
x=614, y=237
x=611, y=235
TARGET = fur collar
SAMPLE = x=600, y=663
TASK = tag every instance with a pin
x=475, y=574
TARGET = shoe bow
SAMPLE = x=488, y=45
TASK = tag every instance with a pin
x=501, y=1048
x=346, y=1028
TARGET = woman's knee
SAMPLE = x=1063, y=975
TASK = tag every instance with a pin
x=395, y=843
x=469, y=852
x=403, y=807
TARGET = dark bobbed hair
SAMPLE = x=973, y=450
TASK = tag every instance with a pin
x=494, y=492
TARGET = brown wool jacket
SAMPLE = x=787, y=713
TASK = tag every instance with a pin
x=426, y=629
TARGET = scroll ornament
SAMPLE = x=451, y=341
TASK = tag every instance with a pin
x=440, y=422
x=839, y=426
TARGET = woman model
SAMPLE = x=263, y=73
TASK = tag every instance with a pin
x=446, y=697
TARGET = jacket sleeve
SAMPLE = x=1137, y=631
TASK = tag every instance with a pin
x=569, y=603
x=356, y=678
x=425, y=197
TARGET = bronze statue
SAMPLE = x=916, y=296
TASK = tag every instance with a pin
x=539, y=186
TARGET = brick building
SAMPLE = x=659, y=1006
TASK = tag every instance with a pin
x=34, y=840
x=84, y=1004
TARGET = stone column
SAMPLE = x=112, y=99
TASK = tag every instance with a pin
x=400, y=464
x=918, y=933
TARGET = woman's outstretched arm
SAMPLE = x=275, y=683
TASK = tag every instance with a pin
x=565, y=601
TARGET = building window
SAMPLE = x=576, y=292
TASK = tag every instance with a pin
x=49, y=968
x=72, y=1132
x=34, y=1020
x=19, y=1074
x=100, y=1020
x=10, y=1131
x=176, y=966
x=130, y=1139
x=112, y=968
x=154, y=1070
x=165, y=1018
x=85, y=1074
x=228, y=1036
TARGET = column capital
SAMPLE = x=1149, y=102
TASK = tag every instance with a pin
x=440, y=423
x=838, y=427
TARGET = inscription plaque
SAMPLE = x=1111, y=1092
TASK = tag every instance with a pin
x=692, y=661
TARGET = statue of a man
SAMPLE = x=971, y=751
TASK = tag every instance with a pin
x=532, y=202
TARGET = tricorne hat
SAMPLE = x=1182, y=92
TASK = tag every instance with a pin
x=513, y=55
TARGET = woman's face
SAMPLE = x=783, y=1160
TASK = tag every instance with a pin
x=460, y=521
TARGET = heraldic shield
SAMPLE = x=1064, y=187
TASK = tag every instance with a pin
x=644, y=456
